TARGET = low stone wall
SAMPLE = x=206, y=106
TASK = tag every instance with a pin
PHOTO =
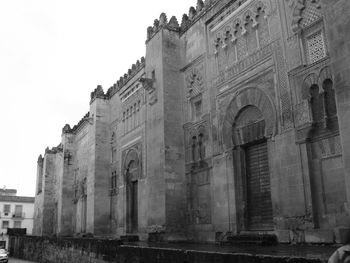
x=69, y=250
x=42, y=249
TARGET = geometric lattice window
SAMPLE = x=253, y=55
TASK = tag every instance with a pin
x=311, y=13
x=316, y=48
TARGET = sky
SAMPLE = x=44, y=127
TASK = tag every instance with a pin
x=53, y=53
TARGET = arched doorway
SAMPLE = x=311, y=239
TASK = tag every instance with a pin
x=132, y=196
x=249, y=136
x=249, y=124
x=132, y=175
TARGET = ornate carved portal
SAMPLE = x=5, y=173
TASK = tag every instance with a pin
x=132, y=174
x=249, y=124
x=253, y=175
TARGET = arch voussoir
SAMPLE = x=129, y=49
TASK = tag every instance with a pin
x=248, y=96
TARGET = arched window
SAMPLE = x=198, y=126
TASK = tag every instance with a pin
x=201, y=147
x=194, y=146
x=329, y=99
x=316, y=104
x=113, y=148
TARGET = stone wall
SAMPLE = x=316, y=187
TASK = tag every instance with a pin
x=69, y=250
x=164, y=152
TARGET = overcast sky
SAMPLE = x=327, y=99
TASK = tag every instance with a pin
x=52, y=55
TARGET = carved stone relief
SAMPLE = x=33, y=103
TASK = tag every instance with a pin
x=302, y=114
x=245, y=97
x=303, y=13
x=197, y=145
x=241, y=37
x=132, y=155
x=194, y=81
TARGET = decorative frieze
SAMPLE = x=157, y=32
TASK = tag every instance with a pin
x=243, y=65
x=241, y=35
x=135, y=68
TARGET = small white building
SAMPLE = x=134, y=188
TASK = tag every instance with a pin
x=15, y=212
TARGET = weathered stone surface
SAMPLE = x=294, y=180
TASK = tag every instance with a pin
x=235, y=121
x=67, y=250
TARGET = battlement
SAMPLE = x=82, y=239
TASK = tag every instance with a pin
x=54, y=150
x=162, y=23
x=98, y=93
x=187, y=21
x=135, y=68
x=68, y=129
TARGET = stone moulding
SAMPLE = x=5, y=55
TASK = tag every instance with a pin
x=247, y=10
x=134, y=153
x=243, y=65
x=242, y=98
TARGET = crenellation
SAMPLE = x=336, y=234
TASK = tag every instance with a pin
x=98, y=93
x=185, y=22
x=192, y=13
x=199, y=6
x=123, y=80
x=173, y=23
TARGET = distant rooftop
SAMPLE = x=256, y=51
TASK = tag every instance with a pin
x=8, y=192
x=18, y=199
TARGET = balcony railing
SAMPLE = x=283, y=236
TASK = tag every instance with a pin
x=18, y=215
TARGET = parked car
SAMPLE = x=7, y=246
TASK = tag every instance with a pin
x=4, y=256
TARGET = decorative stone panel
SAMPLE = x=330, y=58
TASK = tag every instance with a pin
x=243, y=98
x=241, y=36
x=302, y=114
x=134, y=153
x=195, y=81
x=304, y=13
x=316, y=48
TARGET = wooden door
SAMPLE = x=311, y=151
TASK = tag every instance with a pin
x=133, y=207
x=259, y=205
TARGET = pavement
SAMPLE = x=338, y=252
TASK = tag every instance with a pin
x=15, y=260
x=299, y=251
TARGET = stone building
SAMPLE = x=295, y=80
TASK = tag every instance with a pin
x=235, y=122
x=16, y=213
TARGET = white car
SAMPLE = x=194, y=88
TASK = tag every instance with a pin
x=4, y=255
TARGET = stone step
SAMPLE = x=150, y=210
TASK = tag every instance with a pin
x=129, y=238
x=256, y=239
